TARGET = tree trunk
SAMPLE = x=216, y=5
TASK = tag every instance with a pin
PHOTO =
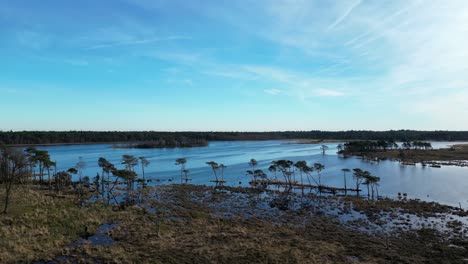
x=48, y=176
x=102, y=183
x=41, y=172
x=7, y=195
x=216, y=176
x=345, y=188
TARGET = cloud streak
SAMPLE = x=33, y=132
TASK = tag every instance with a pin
x=272, y=91
x=344, y=16
x=136, y=42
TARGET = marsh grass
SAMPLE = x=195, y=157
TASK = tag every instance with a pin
x=38, y=226
x=410, y=206
x=186, y=224
x=190, y=231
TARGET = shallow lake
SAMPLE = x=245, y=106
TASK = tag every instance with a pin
x=446, y=185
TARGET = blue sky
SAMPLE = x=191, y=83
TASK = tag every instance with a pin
x=233, y=65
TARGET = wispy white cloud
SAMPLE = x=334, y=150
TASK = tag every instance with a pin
x=380, y=23
x=33, y=39
x=272, y=91
x=71, y=61
x=328, y=93
x=178, y=57
x=149, y=4
x=344, y=16
x=228, y=71
x=136, y=42
x=299, y=85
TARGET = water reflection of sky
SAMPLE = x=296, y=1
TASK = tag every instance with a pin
x=447, y=184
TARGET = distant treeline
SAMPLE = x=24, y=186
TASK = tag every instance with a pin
x=73, y=137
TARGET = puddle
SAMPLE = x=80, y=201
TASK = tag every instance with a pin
x=101, y=238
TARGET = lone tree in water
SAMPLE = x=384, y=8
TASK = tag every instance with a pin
x=214, y=166
x=181, y=162
x=344, y=178
x=186, y=172
x=253, y=163
x=222, y=167
x=144, y=163
x=323, y=148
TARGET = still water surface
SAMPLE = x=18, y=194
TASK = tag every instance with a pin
x=448, y=185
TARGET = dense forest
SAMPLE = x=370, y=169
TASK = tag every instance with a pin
x=73, y=137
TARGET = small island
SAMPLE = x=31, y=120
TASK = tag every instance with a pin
x=172, y=143
x=407, y=152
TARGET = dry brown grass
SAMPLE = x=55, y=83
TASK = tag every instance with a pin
x=190, y=232
x=39, y=226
